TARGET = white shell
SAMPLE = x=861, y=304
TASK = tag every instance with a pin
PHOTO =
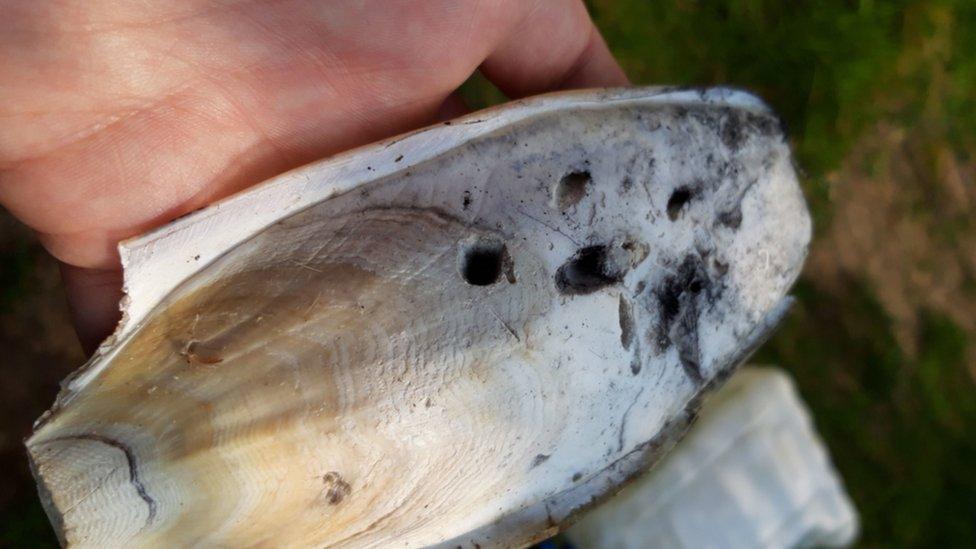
x=752, y=473
x=460, y=337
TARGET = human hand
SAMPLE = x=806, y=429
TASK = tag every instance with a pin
x=120, y=116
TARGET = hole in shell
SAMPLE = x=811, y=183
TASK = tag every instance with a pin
x=680, y=197
x=482, y=261
x=571, y=189
x=590, y=269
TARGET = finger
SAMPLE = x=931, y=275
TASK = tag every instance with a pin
x=94, y=294
x=93, y=301
x=554, y=46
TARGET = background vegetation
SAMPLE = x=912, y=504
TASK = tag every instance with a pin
x=879, y=96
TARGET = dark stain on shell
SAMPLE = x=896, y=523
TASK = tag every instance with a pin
x=731, y=218
x=678, y=300
x=635, y=360
x=738, y=125
x=732, y=132
x=336, y=488
x=627, y=184
x=626, y=314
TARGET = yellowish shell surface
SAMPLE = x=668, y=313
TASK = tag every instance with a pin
x=473, y=341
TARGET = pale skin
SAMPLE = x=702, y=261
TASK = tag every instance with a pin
x=118, y=116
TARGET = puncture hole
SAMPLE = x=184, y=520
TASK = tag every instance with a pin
x=482, y=260
x=571, y=189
